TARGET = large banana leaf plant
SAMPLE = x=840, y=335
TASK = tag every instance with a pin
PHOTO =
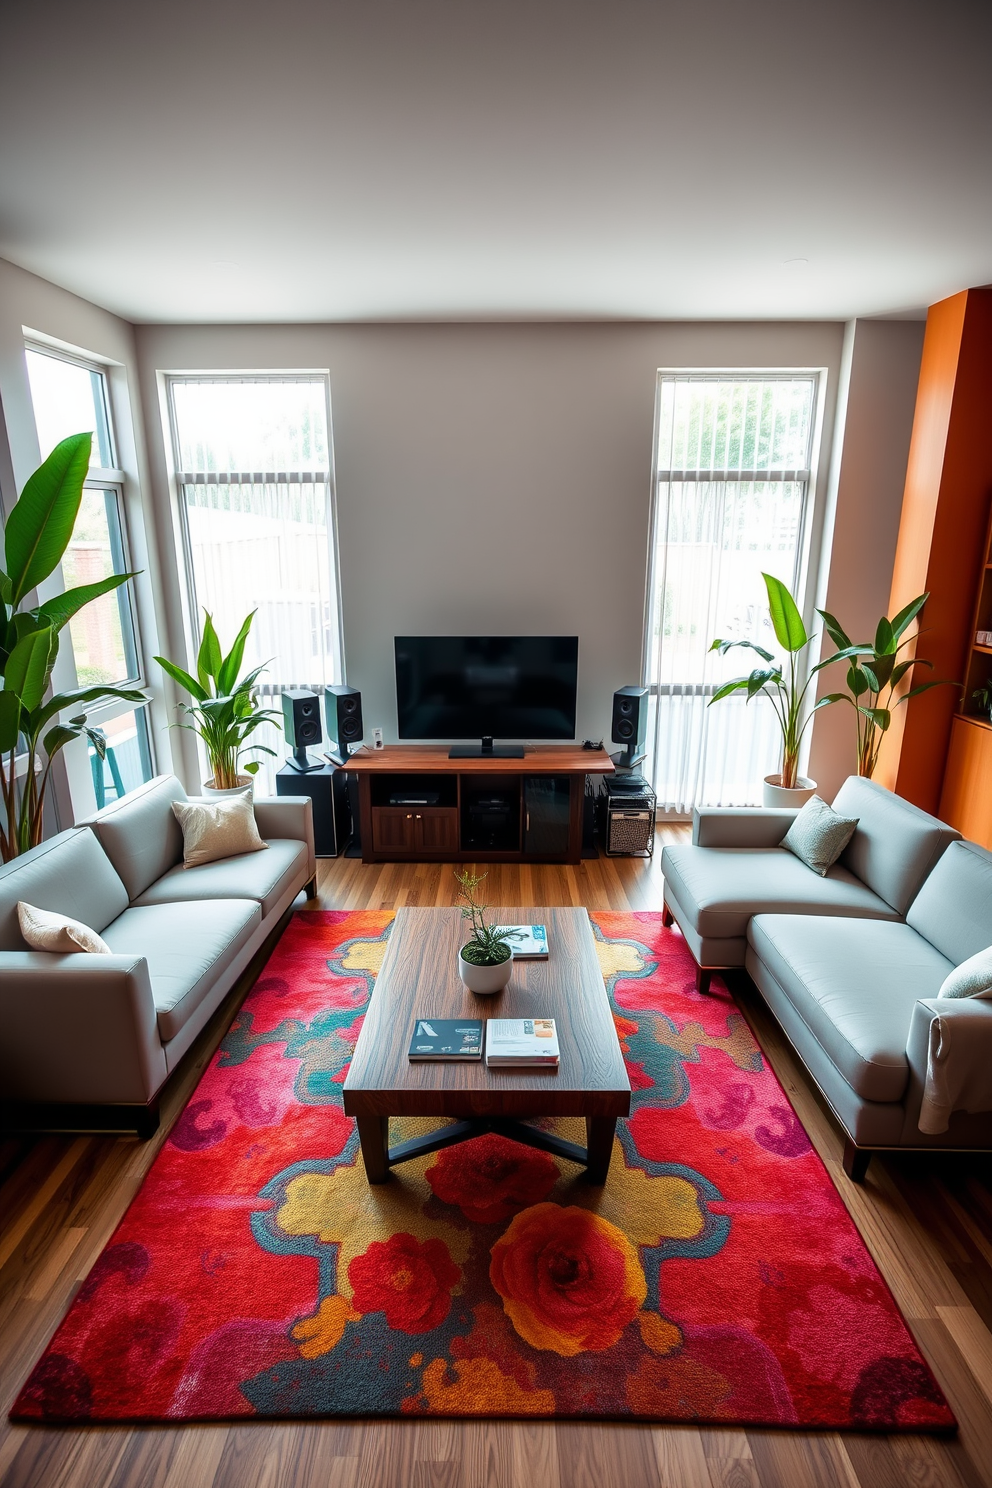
x=37, y=534
x=874, y=673
x=224, y=711
x=783, y=683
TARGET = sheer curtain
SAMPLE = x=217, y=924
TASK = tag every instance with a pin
x=254, y=471
x=730, y=502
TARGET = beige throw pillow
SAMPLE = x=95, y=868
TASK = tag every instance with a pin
x=973, y=978
x=45, y=931
x=217, y=829
x=819, y=835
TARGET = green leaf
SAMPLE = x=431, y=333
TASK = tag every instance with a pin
x=41, y=523
x=183, y=678
x=62, y=607
x=739, y=684
x=908, y=614
x=231, y=665
x=880, y=717
x=723, y=647
x=759, y=677
x=885, y=641
x=5, y=588
x=832, y=697
x=59, y=736
x=786, y=619
x=27, y=667
x=10, y=715
x=869, y=674
x=62, y=701
x=925, y=687
x=837, y=635
x=857, y=681
x=883, y=665
x=209, y=660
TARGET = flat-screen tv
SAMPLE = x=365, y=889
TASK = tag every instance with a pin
x=474, y=687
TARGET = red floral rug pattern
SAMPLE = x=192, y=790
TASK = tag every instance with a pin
x=716, y=1278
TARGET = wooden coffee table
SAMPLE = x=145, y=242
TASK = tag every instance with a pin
x=419, y=978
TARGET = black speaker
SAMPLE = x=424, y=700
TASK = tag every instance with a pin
x=343, y=715
x=327, y=787
x=301, y=723
x=630, y=722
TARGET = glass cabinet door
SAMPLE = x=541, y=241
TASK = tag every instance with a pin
x=546, y=812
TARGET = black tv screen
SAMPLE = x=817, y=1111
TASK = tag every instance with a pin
x=467, y=687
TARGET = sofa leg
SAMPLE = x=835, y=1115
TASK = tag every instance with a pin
x=667, y=918
x=856, y=1160
x=310, y=889
x=703, y=980
x=146, y=1122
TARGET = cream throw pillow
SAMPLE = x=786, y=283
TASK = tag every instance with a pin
x=45, y=931
x=973, y=978
x=217, y=829
x=819, y=835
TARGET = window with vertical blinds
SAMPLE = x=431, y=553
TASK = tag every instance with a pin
x=730, y=502
x=255, y=474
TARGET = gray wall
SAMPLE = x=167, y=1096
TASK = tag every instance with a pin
x=490, y=478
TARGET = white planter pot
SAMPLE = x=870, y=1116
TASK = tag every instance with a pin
x=245, y=783
x=485, y=980
x=775, y=794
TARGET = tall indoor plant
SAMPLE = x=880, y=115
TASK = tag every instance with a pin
x=224, y=711
x=874, y=673
x=783, y=684
x=37, y=534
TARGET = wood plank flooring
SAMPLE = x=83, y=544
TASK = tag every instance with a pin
x=927, y=1221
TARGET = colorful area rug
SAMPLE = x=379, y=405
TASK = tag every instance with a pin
x=716, y=1278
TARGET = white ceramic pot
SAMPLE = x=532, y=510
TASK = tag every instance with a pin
x=485, y=980
x=245, y=783
x=775, y=794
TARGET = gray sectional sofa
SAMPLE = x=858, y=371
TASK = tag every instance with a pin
x=850, y=964
x=107, y=1031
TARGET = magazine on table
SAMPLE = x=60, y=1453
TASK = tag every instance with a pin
x=526, y=941
x=446, y=1039
x=522, y=1042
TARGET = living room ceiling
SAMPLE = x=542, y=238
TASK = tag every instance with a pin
x=233, y=160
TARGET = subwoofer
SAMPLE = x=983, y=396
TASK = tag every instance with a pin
x=301, y=723
x=630, y=722
x=343, y=715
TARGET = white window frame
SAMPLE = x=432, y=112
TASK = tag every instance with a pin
x=105, y=478
x=804, y=583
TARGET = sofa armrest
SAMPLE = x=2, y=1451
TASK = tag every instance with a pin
x=288, y=816
x=952, y=1072
x=740, y=826
x=80, y=1028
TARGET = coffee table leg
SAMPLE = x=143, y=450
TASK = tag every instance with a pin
x=599, y=1143
x=373, y=1133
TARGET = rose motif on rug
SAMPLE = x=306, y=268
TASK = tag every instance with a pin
x=716, y=1278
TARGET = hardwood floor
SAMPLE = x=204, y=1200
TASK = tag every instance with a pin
x=927, y=1221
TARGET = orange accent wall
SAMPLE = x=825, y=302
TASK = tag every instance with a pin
x=941, y=531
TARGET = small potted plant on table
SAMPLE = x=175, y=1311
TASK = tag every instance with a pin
x=486, y=959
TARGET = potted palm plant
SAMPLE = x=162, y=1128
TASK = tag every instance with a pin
x=874, y=673
x=486, y=959
x=783, y=684
x=224, y=711
x=32, y=733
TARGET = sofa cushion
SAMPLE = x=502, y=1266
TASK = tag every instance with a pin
x=221, y=828
x=855, y=986
x=187, y=947
x=140, y=834
x=818, y=835
x=262, y=876
x=59, y=934
x=721, y=888
x=69, y=874
x=895, y=844
x=954, y=907
x=973, y=978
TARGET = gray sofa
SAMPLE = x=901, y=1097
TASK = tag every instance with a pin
x=107, y=1031
x=850, y=964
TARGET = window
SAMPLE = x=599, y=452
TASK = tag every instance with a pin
x=730, y=502
x=70, y=396
x=254, y=470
